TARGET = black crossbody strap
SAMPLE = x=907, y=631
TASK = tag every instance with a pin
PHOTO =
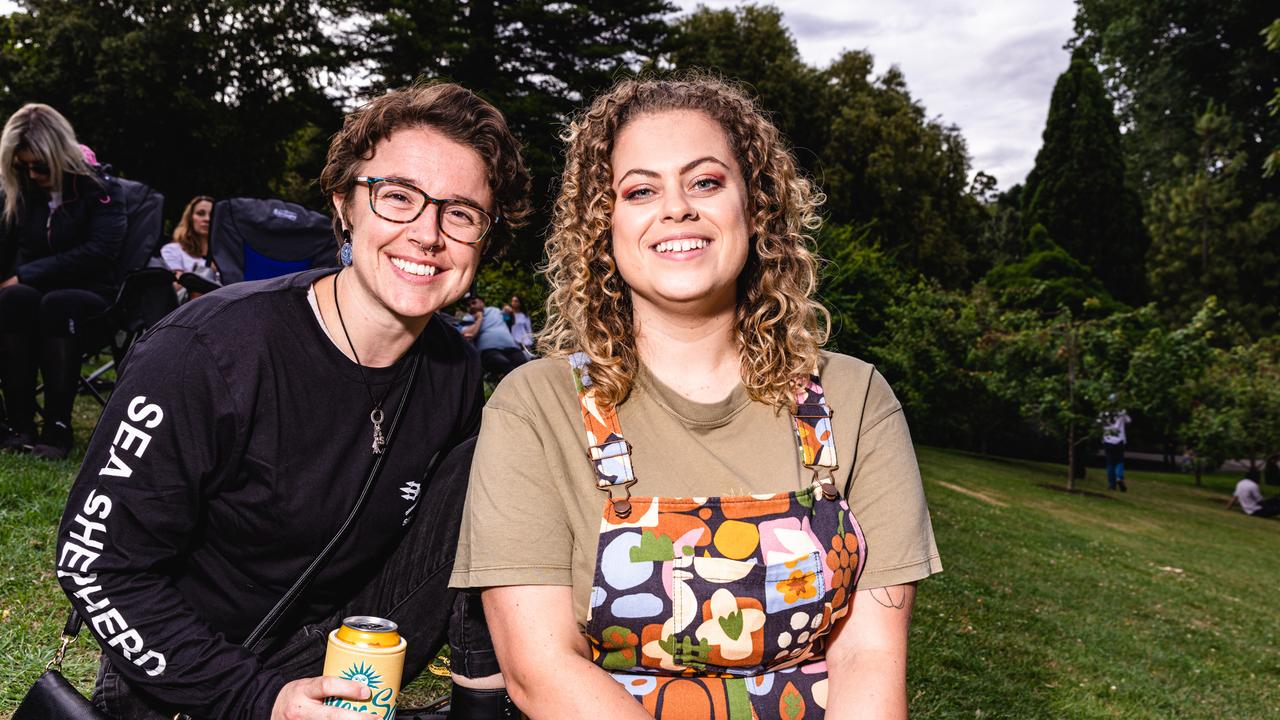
x=264, y=628
x=75, y=622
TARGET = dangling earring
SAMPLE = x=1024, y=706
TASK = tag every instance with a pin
x=344, y=254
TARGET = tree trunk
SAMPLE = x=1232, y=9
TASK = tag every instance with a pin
x=1071, y=457
x=1071, y=404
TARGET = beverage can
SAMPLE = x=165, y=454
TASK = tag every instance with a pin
x=368, y=650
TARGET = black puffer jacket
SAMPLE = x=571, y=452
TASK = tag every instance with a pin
x=74, y=245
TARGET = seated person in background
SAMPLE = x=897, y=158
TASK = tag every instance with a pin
x=189, y=251
x=499, y=351
x=1250, y=497
x=521, y=326
x=61, y=229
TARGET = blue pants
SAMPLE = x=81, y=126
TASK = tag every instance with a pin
x=1115, y=463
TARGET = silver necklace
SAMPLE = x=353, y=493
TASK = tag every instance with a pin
x=375, y=415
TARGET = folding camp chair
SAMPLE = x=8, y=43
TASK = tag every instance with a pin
x=253, y=239
x=145, y=295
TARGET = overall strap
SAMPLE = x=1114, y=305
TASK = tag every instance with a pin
x=814, y=436
x=609, y=452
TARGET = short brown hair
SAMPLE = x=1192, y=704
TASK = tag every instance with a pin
x=459, y=115
x=779, y=325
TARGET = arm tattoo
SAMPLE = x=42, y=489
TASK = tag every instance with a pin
x=894, y=597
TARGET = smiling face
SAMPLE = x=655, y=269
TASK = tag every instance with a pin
x=680, y=224
x=200, y=215
x=411, y=270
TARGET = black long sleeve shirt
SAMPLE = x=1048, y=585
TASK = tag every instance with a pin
x=231, y=450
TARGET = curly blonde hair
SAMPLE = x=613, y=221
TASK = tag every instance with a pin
x=779, y=327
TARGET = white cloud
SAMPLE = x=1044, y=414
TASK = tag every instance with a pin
x=987, y=66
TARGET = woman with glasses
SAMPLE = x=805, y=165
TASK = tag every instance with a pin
x=240, y=437
x=60, y=235
x=688, y=509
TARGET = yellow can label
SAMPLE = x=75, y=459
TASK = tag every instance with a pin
x=377, y=668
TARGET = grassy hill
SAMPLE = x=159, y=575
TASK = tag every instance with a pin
x=1156, y=603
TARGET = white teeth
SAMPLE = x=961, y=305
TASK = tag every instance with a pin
x=680, y=245
x=414, y=268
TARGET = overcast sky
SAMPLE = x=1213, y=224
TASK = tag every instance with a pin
x=987, y=66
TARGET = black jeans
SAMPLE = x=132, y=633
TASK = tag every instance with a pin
x=1270, y=507
x=500, y=361
x=45, y=331
x=412, y=590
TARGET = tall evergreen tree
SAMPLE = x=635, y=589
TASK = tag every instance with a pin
x=1077, y=188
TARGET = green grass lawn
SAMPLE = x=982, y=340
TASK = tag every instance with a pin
x=1156, y=603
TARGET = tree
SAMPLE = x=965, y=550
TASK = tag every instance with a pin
x=1271, y=165
x=858, y=285
x=1165, y=60
x=1207, y=240
x=1164, y=369
x=925, y=353
x=1236, y=407
x=1059, y=370
x=886, y=166
x=752, y=45
x=1077, y=188
x=1048, y=279
x=190, y=97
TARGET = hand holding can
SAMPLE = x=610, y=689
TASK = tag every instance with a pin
x=368, y=650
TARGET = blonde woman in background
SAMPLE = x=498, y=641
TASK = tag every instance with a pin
x=762, y=525
x=60, y=235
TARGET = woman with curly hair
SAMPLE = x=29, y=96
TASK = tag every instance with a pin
x=764, y=523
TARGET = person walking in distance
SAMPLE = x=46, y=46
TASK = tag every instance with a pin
x=1114, y=438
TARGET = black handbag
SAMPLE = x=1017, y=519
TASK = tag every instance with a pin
x=51, y=697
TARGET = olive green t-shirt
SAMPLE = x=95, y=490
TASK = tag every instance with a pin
x=533, y=512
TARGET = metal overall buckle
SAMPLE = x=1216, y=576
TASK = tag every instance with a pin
x=828, y=483
x=621, y=505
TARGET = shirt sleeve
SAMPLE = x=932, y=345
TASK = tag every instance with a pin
x=134, y=509
x=171, y=253
x=515, y=528
x=99, y=249
x=887, y=497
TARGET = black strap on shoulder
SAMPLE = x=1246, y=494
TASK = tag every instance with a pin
x=857, y=438
x=264, y=628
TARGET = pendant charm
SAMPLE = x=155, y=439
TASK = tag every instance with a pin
x=379, y=441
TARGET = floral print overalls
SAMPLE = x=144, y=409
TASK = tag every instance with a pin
x=720, y=607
